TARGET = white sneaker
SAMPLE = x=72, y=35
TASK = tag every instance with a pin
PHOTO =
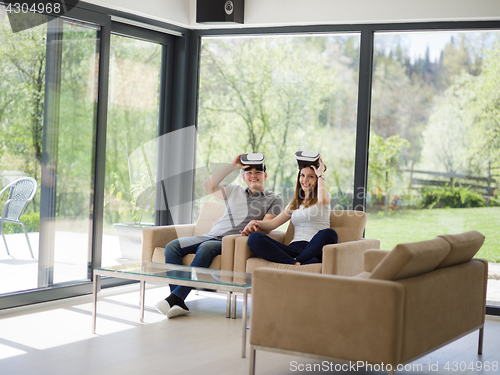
x=176, y=311
x=162, y=306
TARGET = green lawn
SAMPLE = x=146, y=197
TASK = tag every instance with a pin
x=417, y=225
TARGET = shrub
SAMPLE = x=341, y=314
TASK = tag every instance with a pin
x=450, y=196
x=31, y=221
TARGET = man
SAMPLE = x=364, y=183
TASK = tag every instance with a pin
x=242, y=205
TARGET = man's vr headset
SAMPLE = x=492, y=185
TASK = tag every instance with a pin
x=253, y=161
x=307, y=158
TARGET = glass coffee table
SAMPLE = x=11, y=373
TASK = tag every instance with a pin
x=204, y=278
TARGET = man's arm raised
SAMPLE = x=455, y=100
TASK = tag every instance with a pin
x=212, y=184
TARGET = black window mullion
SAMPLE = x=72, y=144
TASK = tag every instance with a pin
x=164, y=124
x=363, y=119
x=182, y=80
x=99, y=164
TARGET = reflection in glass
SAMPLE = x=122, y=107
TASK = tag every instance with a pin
x=131, y=146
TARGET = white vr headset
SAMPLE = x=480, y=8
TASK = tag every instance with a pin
x=253, y=161
x=307, y=158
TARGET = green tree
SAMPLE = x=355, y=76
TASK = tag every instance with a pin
x=400, y=105
x=386, y=163
x=22, y=77
x=464, y=53
x=446, y=139
x=484, y=110
x=308, y=102
x=275, y=97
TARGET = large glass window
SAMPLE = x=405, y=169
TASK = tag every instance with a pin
x=47, y=120
x=131, y=146
x=277, y=95
x=434, y=143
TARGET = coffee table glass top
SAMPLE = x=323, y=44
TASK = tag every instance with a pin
x=172, y=271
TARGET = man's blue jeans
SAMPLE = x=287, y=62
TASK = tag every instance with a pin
x=205, y=248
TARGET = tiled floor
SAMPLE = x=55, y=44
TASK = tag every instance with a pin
x=57, y=340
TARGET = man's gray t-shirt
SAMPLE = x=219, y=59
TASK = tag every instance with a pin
x=242, y=206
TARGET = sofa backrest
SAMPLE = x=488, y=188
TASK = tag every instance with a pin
x=348, y=224
x=411, y=259
x=463, y=247
x=210, y=213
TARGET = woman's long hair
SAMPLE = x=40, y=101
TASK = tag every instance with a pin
x=299, y=194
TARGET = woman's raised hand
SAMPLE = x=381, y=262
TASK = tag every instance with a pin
x=321, y=169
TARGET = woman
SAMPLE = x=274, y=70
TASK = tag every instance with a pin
x=309, y=210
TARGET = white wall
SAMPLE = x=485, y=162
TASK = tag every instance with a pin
x=300, y=12
x=171, y=11
x=312, y=12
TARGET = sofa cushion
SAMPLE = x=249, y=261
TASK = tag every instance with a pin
x=254, y=263
x=158, y=255
x=372, y=257
x=363, y=275
x=349, y=225
x=463, y=247
x=411, y=259
x=210, y=213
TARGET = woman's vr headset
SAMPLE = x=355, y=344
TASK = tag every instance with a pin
x=307, y=158
x=253, y=161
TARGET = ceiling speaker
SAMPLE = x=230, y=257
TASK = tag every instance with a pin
x=219, y=11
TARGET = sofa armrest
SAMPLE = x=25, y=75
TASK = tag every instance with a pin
x=242, y=252
x=228, y=246
x=160, y=236
x=354, y=319
x=373, y=257
x=346, y=258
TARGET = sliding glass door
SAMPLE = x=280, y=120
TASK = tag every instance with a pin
x=48, y=120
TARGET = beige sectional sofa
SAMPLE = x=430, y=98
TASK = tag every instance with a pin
x=405, y=304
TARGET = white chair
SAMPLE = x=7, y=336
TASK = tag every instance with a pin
x=21, y=191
